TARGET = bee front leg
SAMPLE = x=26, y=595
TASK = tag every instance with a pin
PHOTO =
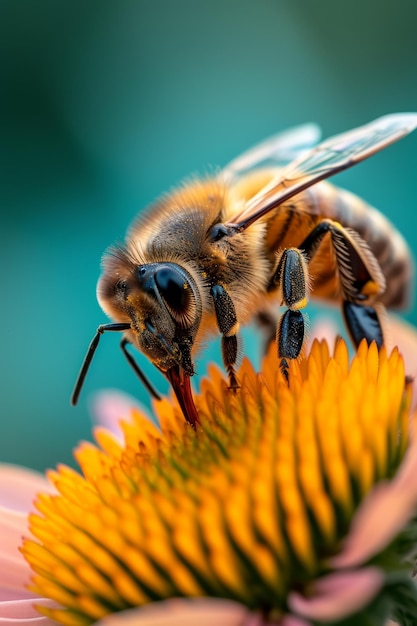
x=229, y=327
x=291, y=277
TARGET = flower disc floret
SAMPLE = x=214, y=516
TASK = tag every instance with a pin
x=251, y=506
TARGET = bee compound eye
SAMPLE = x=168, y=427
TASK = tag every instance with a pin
x=177, y=294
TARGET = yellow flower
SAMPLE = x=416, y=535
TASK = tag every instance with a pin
x=259, y=505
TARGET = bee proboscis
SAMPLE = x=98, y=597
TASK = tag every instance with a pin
x=222, y=251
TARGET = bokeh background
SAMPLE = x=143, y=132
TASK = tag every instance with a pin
x=106, y=104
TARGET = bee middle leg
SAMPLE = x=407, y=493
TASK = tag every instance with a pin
x=361, y=281
x=291, y=277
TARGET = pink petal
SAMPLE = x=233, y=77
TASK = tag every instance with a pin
x=323, y=328
x=291, y=620
x=109, y=407
x=19, y=486
x=14, y=570
x=181, y=612
x=394, y=502
x=23, y=612
x=14, y=575
x=338, y=595
x=256, y=619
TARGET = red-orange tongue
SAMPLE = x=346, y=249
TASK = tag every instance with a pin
x=180, y=382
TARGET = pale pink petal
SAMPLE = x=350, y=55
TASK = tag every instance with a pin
x=23, y=613
x=338, y=595
x=183, y=612
x=291, y=620
x=19, y=486
x=384, y=512
x=323, y=328
x=18, y=489
x=13, y=525
x=195, y=612
x=14, y=575
x=405, y=478
x=14, y=570
x=110, y=406
x=256, y=619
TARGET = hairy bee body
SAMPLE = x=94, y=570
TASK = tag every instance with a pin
x=177, y=230
x=220, y=252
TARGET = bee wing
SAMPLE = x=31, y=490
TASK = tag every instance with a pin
x=278, y=150
x=328, y=158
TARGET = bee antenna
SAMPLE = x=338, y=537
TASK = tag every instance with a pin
x=89, y=356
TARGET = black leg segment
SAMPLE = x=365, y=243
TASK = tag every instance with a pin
x=363, y=323
x=229, y=327
x=230, y=354
x=292, y=277
x=291, y=332
x=361, y=279
x=290, y=336
x=361, y=284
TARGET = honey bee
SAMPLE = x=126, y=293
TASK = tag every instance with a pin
x=219, y=252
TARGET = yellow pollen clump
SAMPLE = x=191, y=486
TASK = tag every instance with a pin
x=247, y=507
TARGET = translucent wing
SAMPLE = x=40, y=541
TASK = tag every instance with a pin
x=330, y=157
x=277, y=150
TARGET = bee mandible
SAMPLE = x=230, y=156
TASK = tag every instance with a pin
x=222, y=251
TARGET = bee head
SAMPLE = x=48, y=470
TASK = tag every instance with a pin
x=160, y=300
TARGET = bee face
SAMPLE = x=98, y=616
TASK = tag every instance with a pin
x=216, y=253
x=160, y=301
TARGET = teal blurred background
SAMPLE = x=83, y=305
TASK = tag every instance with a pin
x=104, y=105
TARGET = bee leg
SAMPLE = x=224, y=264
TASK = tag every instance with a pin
x=360, y=277
x=290, y=336
x=291, y=277
x=229, y=327
x=364, y=322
